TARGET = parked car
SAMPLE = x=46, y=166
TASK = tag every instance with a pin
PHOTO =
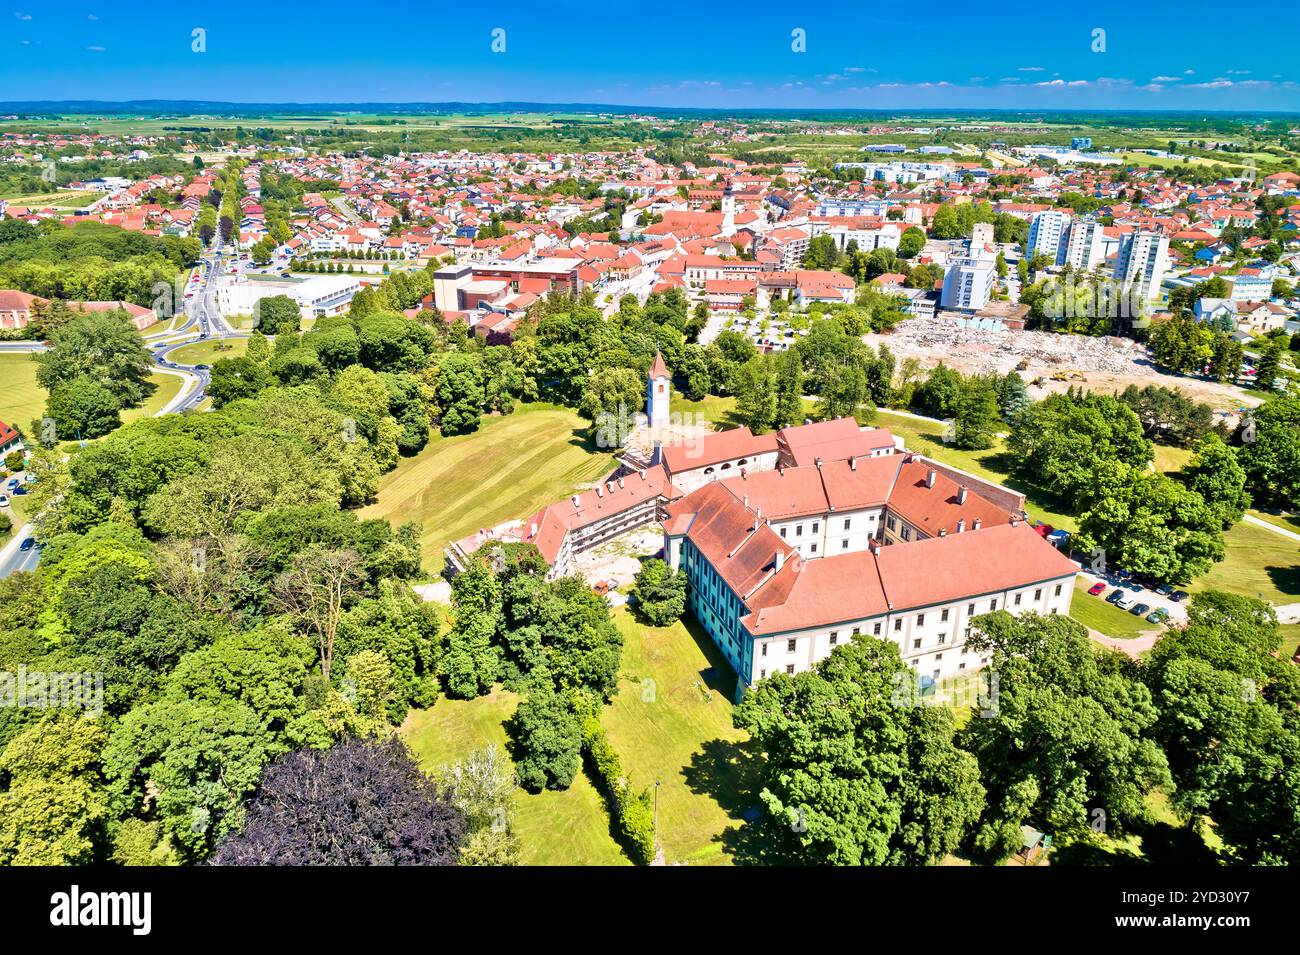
x=4, y=500
x=1115, y=596
x=1139, y=610
x=1164, y=589
x=1159, y=615
x=1178, y=596
x=1098, y=588
x=27, y=544
x=1122, y=601
x=20, y=490
x=13, y=483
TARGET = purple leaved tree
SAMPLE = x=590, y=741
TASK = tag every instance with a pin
x=360, y=802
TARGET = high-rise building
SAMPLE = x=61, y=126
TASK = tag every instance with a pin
x=1085, y=248
x=1142, y=262
x=968, y=282
x=1047, y=235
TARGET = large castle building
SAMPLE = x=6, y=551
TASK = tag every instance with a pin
x=794, y=541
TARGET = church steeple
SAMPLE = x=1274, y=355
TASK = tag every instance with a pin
x=658, y=386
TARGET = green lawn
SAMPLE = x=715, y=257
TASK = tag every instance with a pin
x=1105, y=618
x=1171, y=460
x=510, y=467
x=206, y=352
x=671, y=722
x=1290, y=639
x=555, y=828
x=168, y=387
x=21, y=398
x=1284, y=520
x=1258, y=563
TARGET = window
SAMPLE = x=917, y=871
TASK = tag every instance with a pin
x=943, y=638
x=847, y=521
x=835, y=638
x=1017, y=600
x=938, y=657
x=889, y=522
x=1058, y=590
x=798, y=531
x=1038, y=594
x=970, y=610
x=856, y=631
x=844, y=544
x=790, y=645
x=993, y=604
x=961, y=666
x=963, y=651
x=764, y=650
x=916, y=644
x=783, y=533
x=816, y=524
x=906, y=534
x=920, y=620
x=814, y=548
x=943, y=617
x=875, y=631
x=762, y=674
x=898, y=625
x=789, y=668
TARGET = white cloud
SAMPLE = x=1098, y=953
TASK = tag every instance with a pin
x=95, y=49
x=1030, y=69
x=23, y=16
x=1166, y=79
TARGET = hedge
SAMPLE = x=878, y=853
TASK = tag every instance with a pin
x=632, y=809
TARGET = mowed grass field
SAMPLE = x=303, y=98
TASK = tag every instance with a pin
x=670, y=722
x=511, y=467
x=555, y=828
x=21, y=398
x=206, y=352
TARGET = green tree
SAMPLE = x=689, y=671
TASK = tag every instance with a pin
x=660, y=592
x=82, y=408
x=1065, y=735
x=854, y=769
x=547, y=736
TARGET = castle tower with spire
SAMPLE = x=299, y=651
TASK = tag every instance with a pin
x=657, y=393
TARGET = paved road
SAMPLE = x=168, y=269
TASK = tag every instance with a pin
x=13, y=558
x=1252, y=519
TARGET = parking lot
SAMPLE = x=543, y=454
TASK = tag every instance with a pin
x=1135, y=593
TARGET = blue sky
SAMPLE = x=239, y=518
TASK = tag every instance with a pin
x=1192, y=54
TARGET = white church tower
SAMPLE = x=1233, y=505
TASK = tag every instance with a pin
x=656, y=402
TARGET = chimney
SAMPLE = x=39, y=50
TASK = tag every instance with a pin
x=961, y=525
x=532, y=529
x=758, y=514
x=642, y=473
x=600, y=491
x=929, y=478
x=961, y=494
x=577, y=501
x=977, y=524
x=853, y=463
x=745, y=500
x=943, y=532
x=818, y=462
x=620, y=482
x=1015, y=519
x=873, y=545
x=779, y=561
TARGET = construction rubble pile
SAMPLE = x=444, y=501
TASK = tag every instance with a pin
x=984, y=351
